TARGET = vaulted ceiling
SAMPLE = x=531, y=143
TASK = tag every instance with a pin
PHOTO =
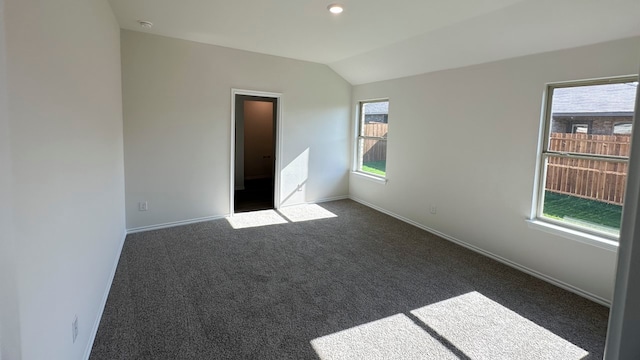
x=376, y=40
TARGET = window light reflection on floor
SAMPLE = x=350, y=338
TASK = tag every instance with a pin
x=284, y=215
x=484, y=329
x=470, y=326
x=255, y=219
x=306, y=212
x=393, y=337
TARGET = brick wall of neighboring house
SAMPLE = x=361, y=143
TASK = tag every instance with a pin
x=598, y=125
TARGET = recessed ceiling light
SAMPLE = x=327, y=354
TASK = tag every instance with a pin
x=145, y=24
x=335, y=8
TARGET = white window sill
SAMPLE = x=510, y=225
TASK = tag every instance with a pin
x=376, y=179
x=579, y=236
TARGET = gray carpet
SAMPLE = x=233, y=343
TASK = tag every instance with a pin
x=356, y=285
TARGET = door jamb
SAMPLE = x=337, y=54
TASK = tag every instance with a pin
x=278, y=120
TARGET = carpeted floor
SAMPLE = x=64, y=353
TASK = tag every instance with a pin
x=351, y=284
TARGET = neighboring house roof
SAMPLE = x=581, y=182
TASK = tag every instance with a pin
x=376, y=108
x=609, y=98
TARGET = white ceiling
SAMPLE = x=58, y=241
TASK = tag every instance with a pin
x=376, y=40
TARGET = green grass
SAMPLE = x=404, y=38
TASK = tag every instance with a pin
x=589, y=211
x=375, y=167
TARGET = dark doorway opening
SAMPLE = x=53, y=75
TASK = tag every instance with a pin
x=255, y=153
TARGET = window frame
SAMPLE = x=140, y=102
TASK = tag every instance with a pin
x=544, y=154
x=360, y=137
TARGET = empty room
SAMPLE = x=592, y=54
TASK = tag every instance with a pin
x=320, y=180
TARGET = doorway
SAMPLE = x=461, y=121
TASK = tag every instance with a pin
x=254, y=167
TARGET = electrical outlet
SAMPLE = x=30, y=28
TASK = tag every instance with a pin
x=433, y=209
x=74, y=328
x=143, y=206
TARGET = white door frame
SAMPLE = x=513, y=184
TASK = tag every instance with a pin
x=278, y=120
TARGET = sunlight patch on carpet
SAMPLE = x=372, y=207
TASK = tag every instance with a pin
x=483, y=329
x=255, y=219
x=306, y=212
x=394, y=337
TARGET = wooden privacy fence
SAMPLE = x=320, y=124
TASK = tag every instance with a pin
x=590, y=179
x=375, y=150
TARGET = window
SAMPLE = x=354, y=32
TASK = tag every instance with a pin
x=580, y=128
x=583, y=177
x=622, y=129
x=372, y=137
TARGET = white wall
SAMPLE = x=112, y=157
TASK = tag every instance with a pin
x=177, y=118
x=65, y=122
x=9, y=320
x=465, y=141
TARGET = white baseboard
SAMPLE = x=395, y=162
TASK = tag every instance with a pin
x=539, y=275
x=209, y=218
x=173, y=224
x=318, y=201
x=103, y=304
x=333, y=198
